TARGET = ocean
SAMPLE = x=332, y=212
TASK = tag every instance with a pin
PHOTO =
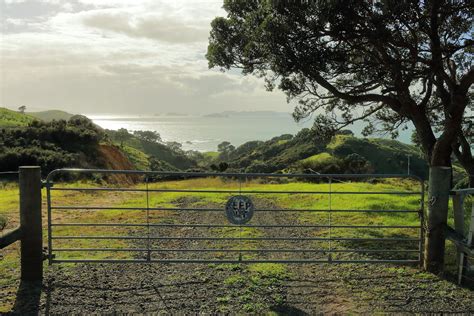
x=204, y=133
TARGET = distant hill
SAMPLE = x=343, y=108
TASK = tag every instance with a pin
x=304, y=152
x=247, y=114
x=384, y=155
x=58, y=138
x=48, y=116
x=9, y=118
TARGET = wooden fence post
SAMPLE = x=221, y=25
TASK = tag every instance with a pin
x=31, y=224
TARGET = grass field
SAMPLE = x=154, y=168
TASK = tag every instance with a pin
x=9, y=265
x=9, y=118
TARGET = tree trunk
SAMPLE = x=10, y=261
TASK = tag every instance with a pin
x=438, y=199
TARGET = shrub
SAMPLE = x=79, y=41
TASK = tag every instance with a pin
x=3, y=222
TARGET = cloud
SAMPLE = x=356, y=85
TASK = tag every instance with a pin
x=135, y=56
x=151, y=26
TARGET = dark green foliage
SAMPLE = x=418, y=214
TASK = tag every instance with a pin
x=276, y=154
x=169, y=153
x=226, y=150
x=307, y=152
x=221, y=167
x=9, y=118
x=3, y=222
x=355, y=163
x=247, y=148
x=160, y=165
x=122, y=135
x=385, y=156
x=386, y=63
x=50, y=145
x=148, y=136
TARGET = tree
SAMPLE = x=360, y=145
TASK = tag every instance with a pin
x=221, y=167
x=225, y=149
x=386, y=62
x=123, y=135
x=22, y=109
x=464, y=146
x=148, y=136
x=175, y=146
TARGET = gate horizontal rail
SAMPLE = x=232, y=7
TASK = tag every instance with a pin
x=101, y=208
x=235, y=238
x=224, y=261
x=162, y=242
x=238, y=192
x=233, y=250
x=230, y=226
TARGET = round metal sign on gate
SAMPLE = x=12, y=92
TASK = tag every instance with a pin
x=239, y=209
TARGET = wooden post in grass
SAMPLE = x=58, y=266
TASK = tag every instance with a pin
x=30, y=224
x=438, y=199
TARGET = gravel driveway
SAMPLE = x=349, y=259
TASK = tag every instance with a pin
x=296, y=289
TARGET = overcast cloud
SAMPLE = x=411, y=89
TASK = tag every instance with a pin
x=117, y=56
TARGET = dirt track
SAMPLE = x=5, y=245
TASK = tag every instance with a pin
x=231, y=289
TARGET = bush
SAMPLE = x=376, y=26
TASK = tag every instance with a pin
x=50, y=145
x=3, y=222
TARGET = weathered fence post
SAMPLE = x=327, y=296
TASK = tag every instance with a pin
x=438, y=201
x=30, y=224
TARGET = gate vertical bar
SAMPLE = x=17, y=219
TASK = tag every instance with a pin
x=148, y=246
x=50, y=231
x=330, y=220
x=240, y=225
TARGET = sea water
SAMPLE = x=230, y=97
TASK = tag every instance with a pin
x=204, y=133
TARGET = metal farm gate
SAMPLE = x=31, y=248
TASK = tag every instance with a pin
x=174, y=217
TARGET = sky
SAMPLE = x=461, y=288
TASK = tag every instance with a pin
x=119, y=56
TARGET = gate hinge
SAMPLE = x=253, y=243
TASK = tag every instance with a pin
x=46, y=255
x=46, y=184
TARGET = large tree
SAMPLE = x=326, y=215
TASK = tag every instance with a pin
x=389, y=63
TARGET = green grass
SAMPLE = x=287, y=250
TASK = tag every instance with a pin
x=257, y=276
x=9, y=205
x=337, y=141
x=253, y=281
x=9, y=118
x=210, y=154
x=385, y=155
x=322, y=157
x=317, y=161
x=138, y=158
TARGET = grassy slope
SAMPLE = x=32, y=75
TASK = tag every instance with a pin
x=9, y=266
x=9, y=118
x=163, y=153
x=50, y=115
x=386, y=155
x=304, y=151
x=138, y=158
